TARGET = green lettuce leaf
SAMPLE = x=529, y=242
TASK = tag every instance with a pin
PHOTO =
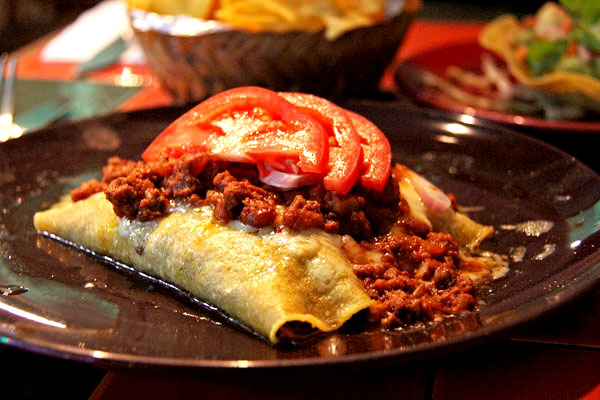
x=590, y=11
x=543, y=55
x=591, y=41
x=573, y=6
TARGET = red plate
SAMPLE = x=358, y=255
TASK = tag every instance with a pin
x=467, y=56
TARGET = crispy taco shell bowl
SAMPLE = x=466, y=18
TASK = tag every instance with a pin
x=497, y=37
x=194, y=58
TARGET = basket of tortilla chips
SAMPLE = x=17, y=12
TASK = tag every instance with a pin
x=327, y=47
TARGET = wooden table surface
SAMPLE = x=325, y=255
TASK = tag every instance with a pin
x=557, y=357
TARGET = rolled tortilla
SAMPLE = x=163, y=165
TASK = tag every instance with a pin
x=266, y=280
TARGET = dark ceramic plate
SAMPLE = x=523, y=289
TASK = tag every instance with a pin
x=468, y=57
x=79, y=308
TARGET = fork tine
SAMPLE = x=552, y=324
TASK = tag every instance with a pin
x=3, y=122
x=3, y=59
x=8, y=94
x=8, y=129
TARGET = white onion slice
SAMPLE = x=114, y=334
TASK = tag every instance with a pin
x=284, y=180
x=432, y=197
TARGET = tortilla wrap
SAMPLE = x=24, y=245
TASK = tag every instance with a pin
x=264, y=279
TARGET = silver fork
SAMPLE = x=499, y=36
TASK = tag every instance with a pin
x=8, y=128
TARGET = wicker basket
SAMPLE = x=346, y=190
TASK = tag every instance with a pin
x=194, y=59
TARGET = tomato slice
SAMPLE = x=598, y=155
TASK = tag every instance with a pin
x=246, y=124
x=377, y=153
x=345, y=154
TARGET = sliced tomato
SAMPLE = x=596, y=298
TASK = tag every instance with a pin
x=345, y=151
x=377, y=153
x=246, y=124
x=176, y=142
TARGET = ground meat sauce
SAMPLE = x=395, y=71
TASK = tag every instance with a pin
x=416, y=278
x=410, y=271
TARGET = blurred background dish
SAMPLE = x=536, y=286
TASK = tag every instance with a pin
x=326, y=48
x=424, y=76
x=542, y=70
